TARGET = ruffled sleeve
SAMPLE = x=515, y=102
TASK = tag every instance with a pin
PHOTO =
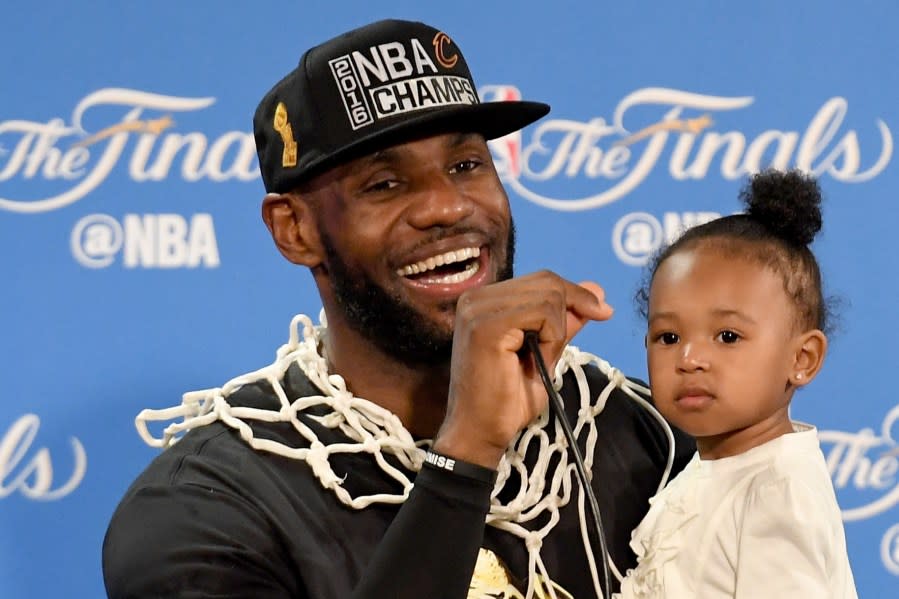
x=660, y=537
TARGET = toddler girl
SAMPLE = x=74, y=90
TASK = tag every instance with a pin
x=735, y=319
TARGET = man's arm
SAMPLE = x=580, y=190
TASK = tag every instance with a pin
x=432, y=545
x=192, y=541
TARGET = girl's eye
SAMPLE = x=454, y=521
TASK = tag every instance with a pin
x=728, y=337
x=668, y=338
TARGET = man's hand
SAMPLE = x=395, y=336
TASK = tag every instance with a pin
x=495, y=388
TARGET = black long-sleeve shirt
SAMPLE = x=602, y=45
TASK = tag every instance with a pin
x=213, y=518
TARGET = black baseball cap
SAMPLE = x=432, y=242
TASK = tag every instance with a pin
x=368, y=89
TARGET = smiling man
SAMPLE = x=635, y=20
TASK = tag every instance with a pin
x=402, y=448
x=428, y=220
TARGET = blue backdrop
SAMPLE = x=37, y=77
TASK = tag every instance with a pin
x=135, y=265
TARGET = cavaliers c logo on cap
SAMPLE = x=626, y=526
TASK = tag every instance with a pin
x=282, y=126
x=440, y=40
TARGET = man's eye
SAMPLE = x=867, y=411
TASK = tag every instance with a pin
x=465, y=166
x=728, y=337
x=383, y=185
x=668, y=338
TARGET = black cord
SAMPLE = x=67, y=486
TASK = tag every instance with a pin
x=558, y=409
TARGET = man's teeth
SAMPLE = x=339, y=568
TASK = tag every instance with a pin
x=458, y=277
x=451, y=257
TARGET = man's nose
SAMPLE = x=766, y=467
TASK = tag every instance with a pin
x=438, y=202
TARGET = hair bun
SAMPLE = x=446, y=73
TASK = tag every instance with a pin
x=788, y=203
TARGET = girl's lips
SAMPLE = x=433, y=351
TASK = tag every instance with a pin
x=694, y=399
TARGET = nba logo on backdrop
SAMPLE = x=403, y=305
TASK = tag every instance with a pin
x=507, y=149
x=146, y=241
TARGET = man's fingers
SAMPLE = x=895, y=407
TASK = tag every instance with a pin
x=558, y=309
x=592, y=304
x=597, y=291
x=494, y=388
x=586, y=303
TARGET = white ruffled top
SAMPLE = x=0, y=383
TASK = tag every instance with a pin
x=764, y=523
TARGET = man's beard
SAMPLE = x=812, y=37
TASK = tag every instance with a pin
x=394, y=326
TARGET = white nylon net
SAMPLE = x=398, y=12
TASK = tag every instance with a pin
x=376, y=431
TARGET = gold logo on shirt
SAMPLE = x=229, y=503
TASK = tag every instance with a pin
x=491, y=580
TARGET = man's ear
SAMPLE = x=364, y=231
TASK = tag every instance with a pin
x=809, y=357
x=290, y=221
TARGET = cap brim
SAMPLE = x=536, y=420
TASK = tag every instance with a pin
x=490, y=119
